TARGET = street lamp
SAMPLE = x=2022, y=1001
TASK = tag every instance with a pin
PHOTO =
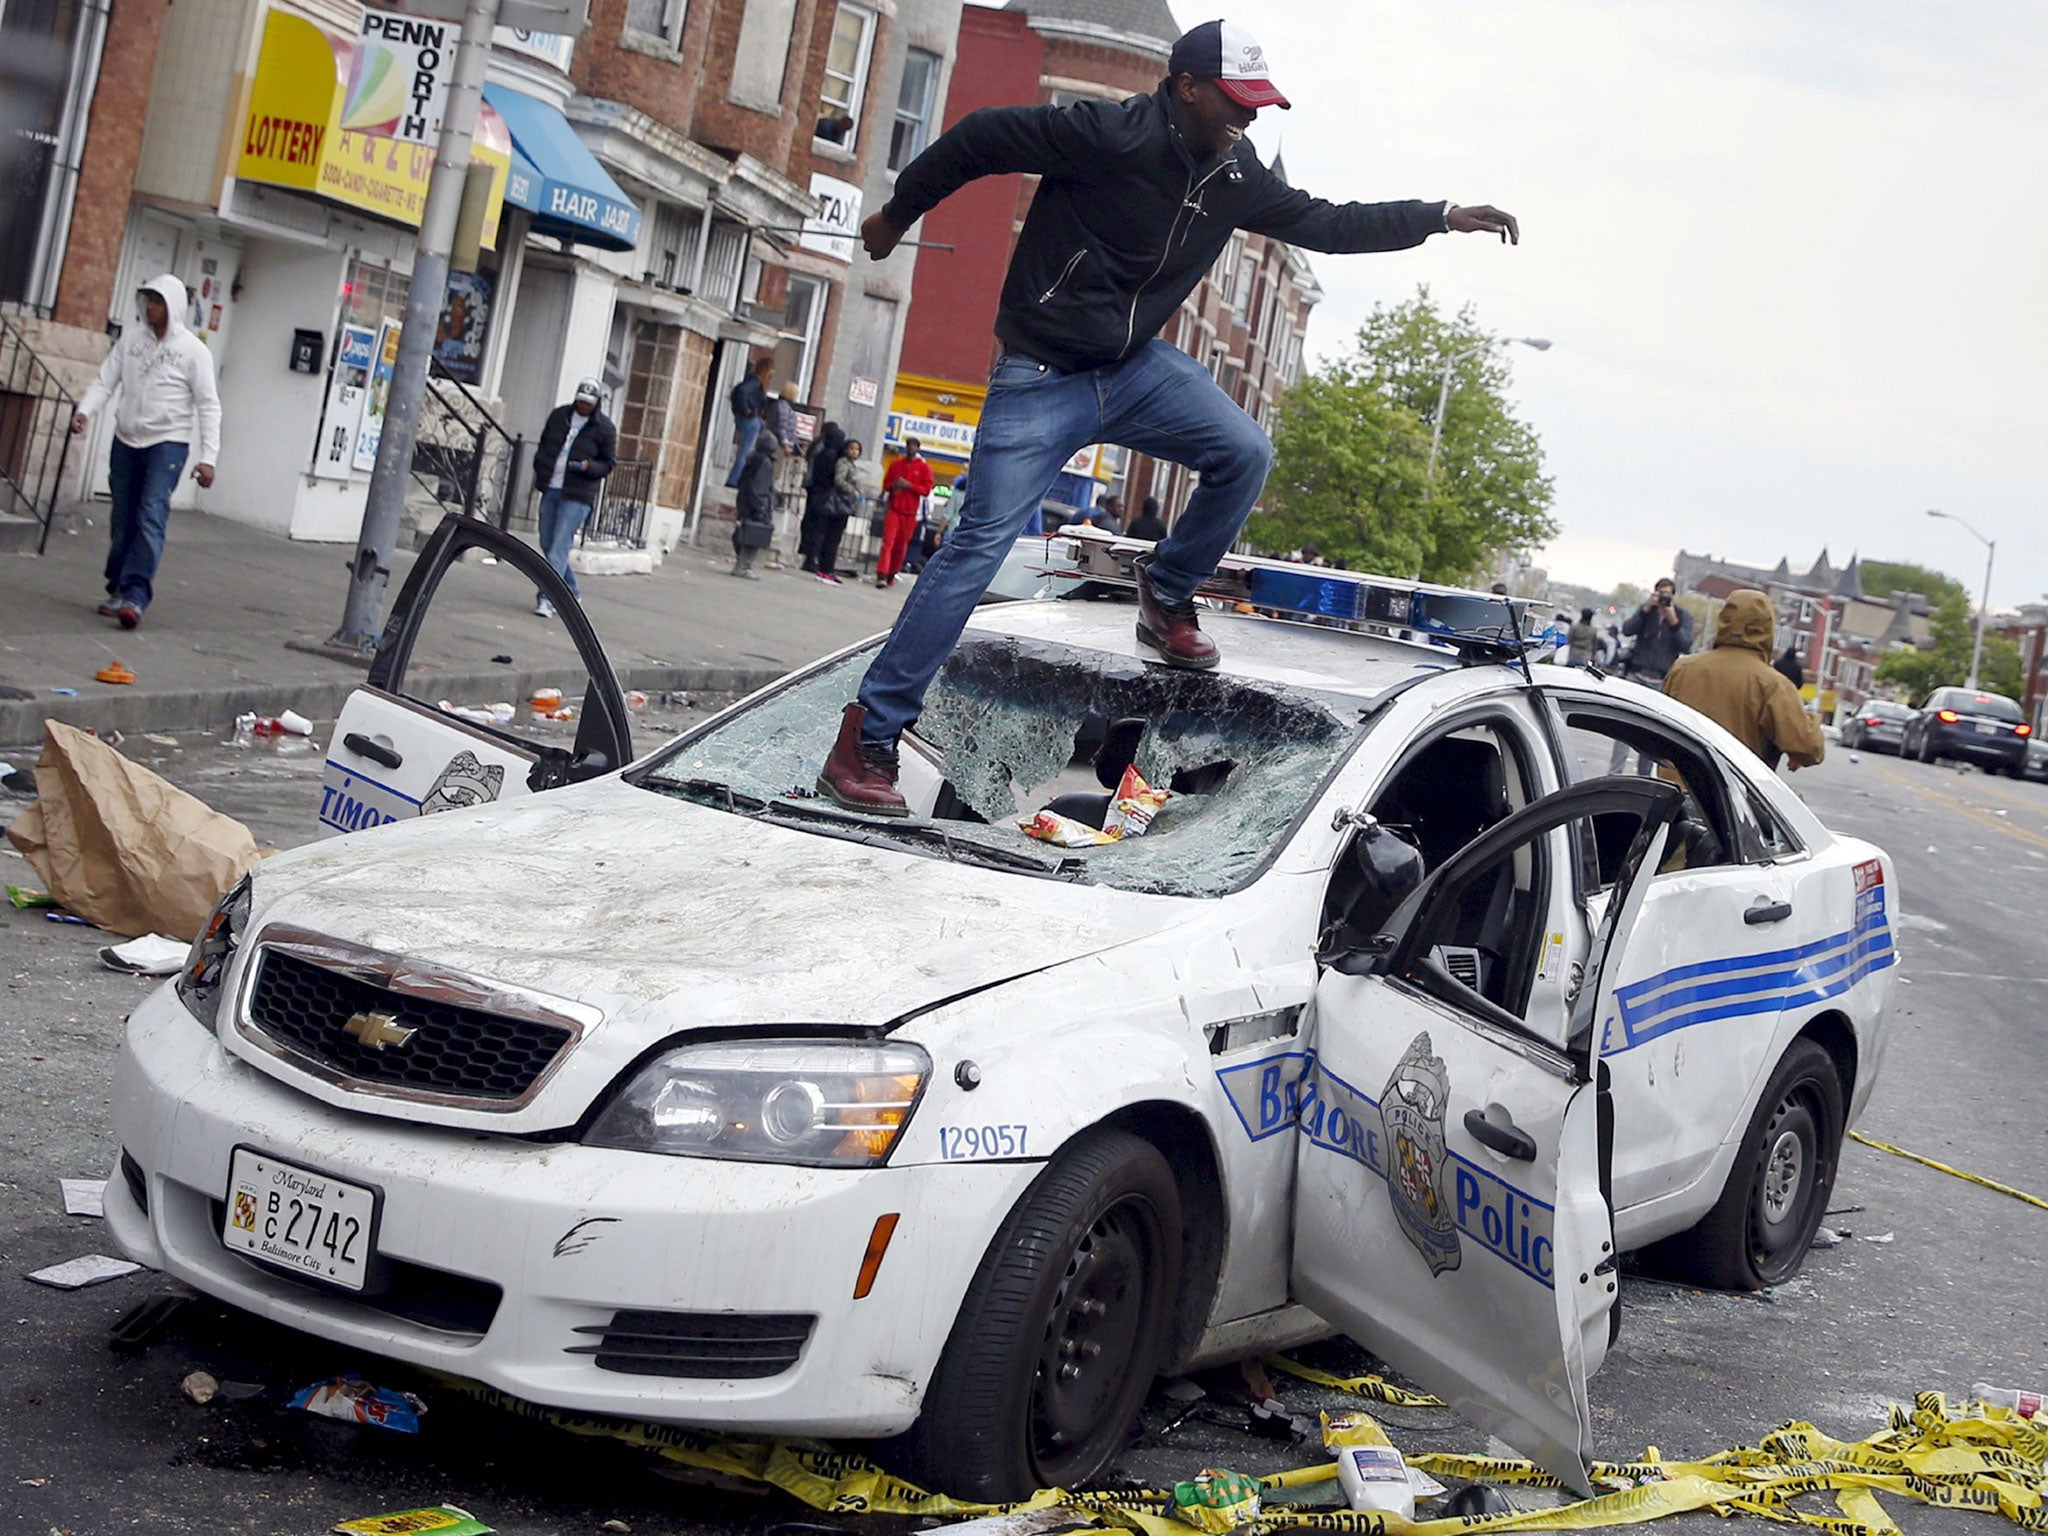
x=1990, y=554
x=1443, y=388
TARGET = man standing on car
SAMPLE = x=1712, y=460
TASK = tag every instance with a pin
x=576, y=450
x=1663, y=633
x=1735, y=686
x=1135, y=202
x=164, y=377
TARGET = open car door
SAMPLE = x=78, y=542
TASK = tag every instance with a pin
x=1451, y=1202
x=395, y=756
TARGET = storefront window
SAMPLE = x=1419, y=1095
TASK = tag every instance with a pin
x=373, y=294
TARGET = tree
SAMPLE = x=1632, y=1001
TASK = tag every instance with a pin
x=1947, y=663
x=1881, y=578
x=1351, y=459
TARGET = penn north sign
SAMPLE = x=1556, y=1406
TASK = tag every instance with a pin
x=398, y=79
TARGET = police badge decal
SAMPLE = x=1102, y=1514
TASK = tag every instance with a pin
x=1412, y=1114
x=463, y=783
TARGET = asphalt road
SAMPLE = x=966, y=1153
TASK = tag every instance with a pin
x=1937, y=1286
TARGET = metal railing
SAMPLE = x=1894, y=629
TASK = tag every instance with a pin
x=463, y=456
x=35, y=432
x=620, y=515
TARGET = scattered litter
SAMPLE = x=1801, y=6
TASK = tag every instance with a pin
x=84, y=1197
x=294, y=746
x=160, y=740
x=439, y=1520
x=150, y=955
x=1369, y=1469
x=1272, y=1420
x=616, y=1525
x=2001, y=813
x=1932, y=849
x=240, y=1391
x=77, y=1274
x=635, y=699
x=295, y=724
x=2019, y=1400
x=545, y=699
x=245, y=731
x=69, y=917
x=1474, y=1502
x=1181, y=1390
x=478, y=714
x=566, y=712
x=112, y=738
x=662, y=727
x=17, y=781
x=36, y=1482
x=1882, y=1237
x=1063, y=831
x=1025, y=1522
x=65, y=693
x=502, y=660
x=1827, y=1237
x=1855, y=757
x=115, y=672
x=146, y=1322
x=200, y=1388
x=1216, y=1501
x=1136, y=803
x=353, y=1399
x=29, y=896
x=122, y=847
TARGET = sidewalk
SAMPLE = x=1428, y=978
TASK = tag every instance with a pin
x=230, y=600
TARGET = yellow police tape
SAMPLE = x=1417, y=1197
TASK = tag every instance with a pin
x=1990, y=1460
x=1973, y=1178
x=1373, y=1388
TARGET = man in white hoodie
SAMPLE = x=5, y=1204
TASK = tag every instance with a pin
x=164, y=376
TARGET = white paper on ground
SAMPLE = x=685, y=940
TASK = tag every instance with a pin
x=75, y=1274
x=150, y=955
x=84, y=1197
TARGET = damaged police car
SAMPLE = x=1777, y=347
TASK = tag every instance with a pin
x=678, y=1094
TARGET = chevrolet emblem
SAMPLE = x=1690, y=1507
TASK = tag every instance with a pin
x=377, y=1030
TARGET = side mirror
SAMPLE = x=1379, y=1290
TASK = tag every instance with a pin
x=1381, y=869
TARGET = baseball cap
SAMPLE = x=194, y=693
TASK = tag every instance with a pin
x=1224, y=52
x=588, y=390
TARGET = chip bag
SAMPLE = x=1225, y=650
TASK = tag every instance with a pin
x=1217, y=1501
x=353, y=1399
x=439, y=1520
x=1064, y=831
x=1135, y=804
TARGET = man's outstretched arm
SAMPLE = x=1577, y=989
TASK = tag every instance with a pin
x=1290, y=214
x=995, y=141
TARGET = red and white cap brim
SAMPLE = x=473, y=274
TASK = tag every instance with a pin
x=1253, y=91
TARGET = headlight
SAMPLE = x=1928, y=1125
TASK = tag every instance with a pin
x=834, y=1103
x=206, y=965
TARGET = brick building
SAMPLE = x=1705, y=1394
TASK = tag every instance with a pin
x=671, y=194
x=1244, y=322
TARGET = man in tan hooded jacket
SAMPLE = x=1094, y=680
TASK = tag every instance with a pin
x=1736, y=687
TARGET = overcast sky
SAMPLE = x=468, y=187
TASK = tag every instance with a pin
x=1794, y=256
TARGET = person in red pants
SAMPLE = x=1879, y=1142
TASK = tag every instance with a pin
x=906, y=481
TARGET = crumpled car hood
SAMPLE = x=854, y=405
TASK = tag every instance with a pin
x=665, y=916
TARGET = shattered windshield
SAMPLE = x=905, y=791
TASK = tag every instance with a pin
x=1014, y=727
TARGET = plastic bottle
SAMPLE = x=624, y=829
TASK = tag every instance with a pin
x=245, y=731
x=1369, y=1469
x=2025, y=1404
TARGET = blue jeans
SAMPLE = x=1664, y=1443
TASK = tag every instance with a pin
x=141, y=480
x=1159, y=401
x=559, y=520
x=749, y=428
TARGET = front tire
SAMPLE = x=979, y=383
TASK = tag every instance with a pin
x=1758, y=1233
x=1061, y=1332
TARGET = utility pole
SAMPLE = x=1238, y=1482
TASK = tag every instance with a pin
x=362, y=621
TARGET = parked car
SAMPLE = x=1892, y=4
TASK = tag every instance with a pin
x=2037, y=759
x=1877, y=725
x=680, y=1094
x=1983, y=728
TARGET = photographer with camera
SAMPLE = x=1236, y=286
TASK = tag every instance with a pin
x=1663, y=632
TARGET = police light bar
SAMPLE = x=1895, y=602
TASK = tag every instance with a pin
x=1473, y=622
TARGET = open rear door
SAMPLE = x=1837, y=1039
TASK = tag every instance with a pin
x=395, y=756
x=1451, y=1208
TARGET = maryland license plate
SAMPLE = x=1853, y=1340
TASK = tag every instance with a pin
x=312, y=1224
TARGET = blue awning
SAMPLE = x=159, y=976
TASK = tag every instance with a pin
x=557, y=180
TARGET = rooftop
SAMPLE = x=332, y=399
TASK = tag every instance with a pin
x=1133, y=18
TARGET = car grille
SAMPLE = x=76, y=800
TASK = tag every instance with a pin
x=454, y=1052
x=698, y=1345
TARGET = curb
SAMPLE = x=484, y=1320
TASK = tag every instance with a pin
x=215, y=709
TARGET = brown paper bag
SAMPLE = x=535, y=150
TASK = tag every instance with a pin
x=122, y=847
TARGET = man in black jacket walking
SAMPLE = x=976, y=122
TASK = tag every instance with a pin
x=1135, y=202
x=576, y=451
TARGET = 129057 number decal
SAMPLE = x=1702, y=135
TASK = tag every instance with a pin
x=973, y=1141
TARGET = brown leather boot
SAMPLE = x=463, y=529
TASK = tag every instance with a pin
x=1171, y=629
x=860, y=776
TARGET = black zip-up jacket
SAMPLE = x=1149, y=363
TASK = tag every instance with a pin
x=1127, y=218
x=597, y=446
